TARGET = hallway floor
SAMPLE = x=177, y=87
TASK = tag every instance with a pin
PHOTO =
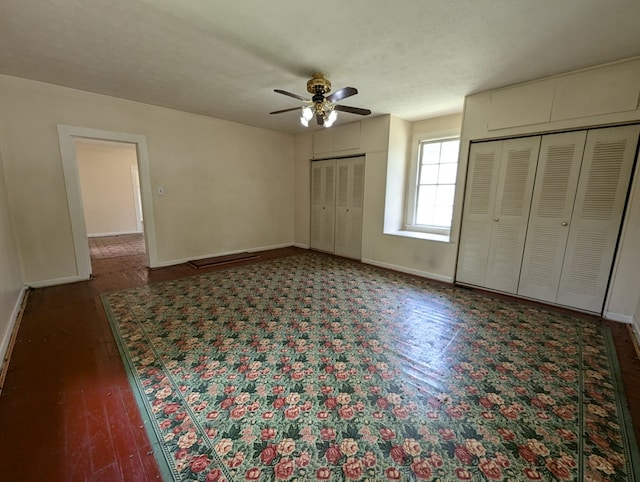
x=115, y=246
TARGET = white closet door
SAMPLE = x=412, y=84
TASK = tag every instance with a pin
x=479, y=203
x=323, y=205
x=511, y=213
x=593, y=233
x=349, y=202
x=551, y=208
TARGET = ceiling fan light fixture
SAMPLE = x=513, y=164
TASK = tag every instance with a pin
x=307, y=113
x=304, y=121
x=331, y=118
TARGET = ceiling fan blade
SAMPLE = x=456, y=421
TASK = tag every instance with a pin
x=319, y=119
x=342, y=94
x=352, y=110
x=284, y=92
x=284, y=110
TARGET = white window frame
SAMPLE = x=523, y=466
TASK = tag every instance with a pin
x=412, y=188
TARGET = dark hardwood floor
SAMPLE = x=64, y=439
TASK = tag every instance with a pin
x=67, y=412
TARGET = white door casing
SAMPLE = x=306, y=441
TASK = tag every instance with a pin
x=66, y=137
x=137, y=201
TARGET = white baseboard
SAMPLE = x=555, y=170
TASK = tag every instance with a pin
x=618, y=317
x=6, y=336
x=267, y=248
x=300, y=245
x=173, y=262
x=57, y=281
x=416, y=272
x=119, y=233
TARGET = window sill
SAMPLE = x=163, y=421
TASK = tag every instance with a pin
x=441, y=238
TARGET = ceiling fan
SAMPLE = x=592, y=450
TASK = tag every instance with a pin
x=323, y=108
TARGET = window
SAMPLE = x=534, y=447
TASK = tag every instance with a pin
x=432, y=188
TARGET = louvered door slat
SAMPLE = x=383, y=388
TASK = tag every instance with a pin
x=600, y=199
x=357, y=197
x=513, y=201
x=329, y=183
x=551, y=207
x=475, y=235
x=316, y=185
x=342, y=194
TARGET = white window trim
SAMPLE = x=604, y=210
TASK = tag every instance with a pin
x=439, y=234
x=442, y=238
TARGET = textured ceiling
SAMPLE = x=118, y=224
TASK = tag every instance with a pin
x=411, y=58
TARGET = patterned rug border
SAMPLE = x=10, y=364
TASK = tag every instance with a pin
x=138, y=392
x=162, y=456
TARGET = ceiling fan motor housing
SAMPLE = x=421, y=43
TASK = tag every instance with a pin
x=318, y=85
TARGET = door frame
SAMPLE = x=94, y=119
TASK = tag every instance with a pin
x=66, y=136
x=137, y=196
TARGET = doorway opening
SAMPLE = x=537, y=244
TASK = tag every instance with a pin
x=110, y=187
x=109, y=196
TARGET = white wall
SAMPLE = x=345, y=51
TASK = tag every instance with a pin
x=386, y=143
x=424, y=257
x=11, y=281
x=228, y=187
x=106, y=182
x=600, y=96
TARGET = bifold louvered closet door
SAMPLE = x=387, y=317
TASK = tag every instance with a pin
x=551, y=209
x=597, y=216
x=337, y=195
x=576, y=210
x=496, y=210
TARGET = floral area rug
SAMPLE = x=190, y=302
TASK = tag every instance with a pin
x=312, y=367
